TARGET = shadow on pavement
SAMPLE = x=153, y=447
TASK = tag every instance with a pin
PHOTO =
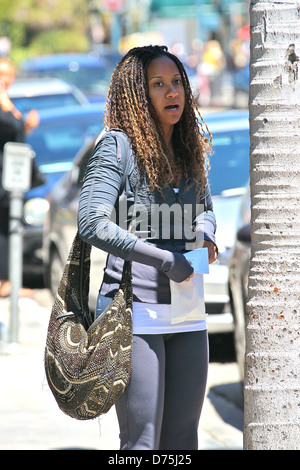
x=227, y=400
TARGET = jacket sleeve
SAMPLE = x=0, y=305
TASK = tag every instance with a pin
x=101, y=189
x=205, y=221
x=103, y=184
x=210, y=224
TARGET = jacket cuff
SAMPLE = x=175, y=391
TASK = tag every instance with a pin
x=174, y=265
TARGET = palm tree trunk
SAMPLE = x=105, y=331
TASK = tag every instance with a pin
x=272, y=365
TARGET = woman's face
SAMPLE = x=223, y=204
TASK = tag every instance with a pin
x=166, y=91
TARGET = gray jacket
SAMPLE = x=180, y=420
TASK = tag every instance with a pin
x=167, y=224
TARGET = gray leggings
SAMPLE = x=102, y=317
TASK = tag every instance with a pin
x=161, y=407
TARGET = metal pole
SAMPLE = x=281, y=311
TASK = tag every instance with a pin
x=16, y=178
x=15, y=261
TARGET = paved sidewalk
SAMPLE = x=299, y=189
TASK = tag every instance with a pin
x=31, y=420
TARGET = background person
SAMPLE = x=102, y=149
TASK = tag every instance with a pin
x=7, y=78
x=12, y=129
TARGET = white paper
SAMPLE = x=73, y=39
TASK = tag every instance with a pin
x=187, y=300
x=199, y=260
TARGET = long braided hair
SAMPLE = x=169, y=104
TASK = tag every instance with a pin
x=129, y=108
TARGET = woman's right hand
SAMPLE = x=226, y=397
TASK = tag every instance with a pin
x=191, y=275
x=174, y=265
x=179, y=268
x=6, y=103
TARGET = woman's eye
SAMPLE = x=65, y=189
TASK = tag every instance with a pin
x=160, y=83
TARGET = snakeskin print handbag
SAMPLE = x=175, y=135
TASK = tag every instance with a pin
x=88, y=364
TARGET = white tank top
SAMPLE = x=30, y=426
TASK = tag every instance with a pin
x=157, y=318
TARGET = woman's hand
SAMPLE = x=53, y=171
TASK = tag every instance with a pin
x=212, y=251
x=6, y=103
x=32, y=121
x=212, y=255
x=190, y=277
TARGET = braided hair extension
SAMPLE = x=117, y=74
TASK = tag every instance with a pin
x=129, y=108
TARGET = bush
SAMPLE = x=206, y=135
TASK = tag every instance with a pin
x=58, y=41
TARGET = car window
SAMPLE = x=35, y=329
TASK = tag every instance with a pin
x=229, y=161
x=88, y=79
x=25, y=104
x=56, y=144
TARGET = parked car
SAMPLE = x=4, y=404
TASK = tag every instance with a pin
x=44, y=93
x=91, y=73
x=61, y=133
x=238, y=280
x=229, y=174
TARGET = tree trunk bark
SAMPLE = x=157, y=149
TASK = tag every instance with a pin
x=272, y=361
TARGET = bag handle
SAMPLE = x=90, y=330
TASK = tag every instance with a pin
x=132, y=224
x=79, y=263
x=125, y=283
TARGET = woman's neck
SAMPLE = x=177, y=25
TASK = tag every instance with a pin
x=175, y=169
x=168, y=132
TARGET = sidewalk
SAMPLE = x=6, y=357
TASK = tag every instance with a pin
x=31, y=420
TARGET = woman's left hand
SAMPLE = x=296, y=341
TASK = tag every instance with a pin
x=212, y=251
x=212, y=254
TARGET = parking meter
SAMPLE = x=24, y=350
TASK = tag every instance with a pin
x=16, y=178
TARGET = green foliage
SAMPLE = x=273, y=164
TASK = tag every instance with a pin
x=7, y=8
x=44, y=26
x=56, y=41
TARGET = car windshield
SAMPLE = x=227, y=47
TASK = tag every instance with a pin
x=230, y=161
x=25, y=104
x=57, y=143
x=88, y=79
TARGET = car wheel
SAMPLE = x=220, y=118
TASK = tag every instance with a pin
x=56, y=268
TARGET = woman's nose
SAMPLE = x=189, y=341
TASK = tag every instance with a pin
x=171, y=90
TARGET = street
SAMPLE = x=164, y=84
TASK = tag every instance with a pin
x=31, y=420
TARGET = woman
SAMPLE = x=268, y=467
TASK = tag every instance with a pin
x=163, y=159
x=12, y=129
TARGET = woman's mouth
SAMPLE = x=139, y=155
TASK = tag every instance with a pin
x=172, y=107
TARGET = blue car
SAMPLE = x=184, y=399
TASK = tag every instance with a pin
x=44, y=93
x=60, y=135
x=88, y=72
x=228, y=176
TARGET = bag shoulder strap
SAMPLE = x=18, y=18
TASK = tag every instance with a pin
x=114, y=132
